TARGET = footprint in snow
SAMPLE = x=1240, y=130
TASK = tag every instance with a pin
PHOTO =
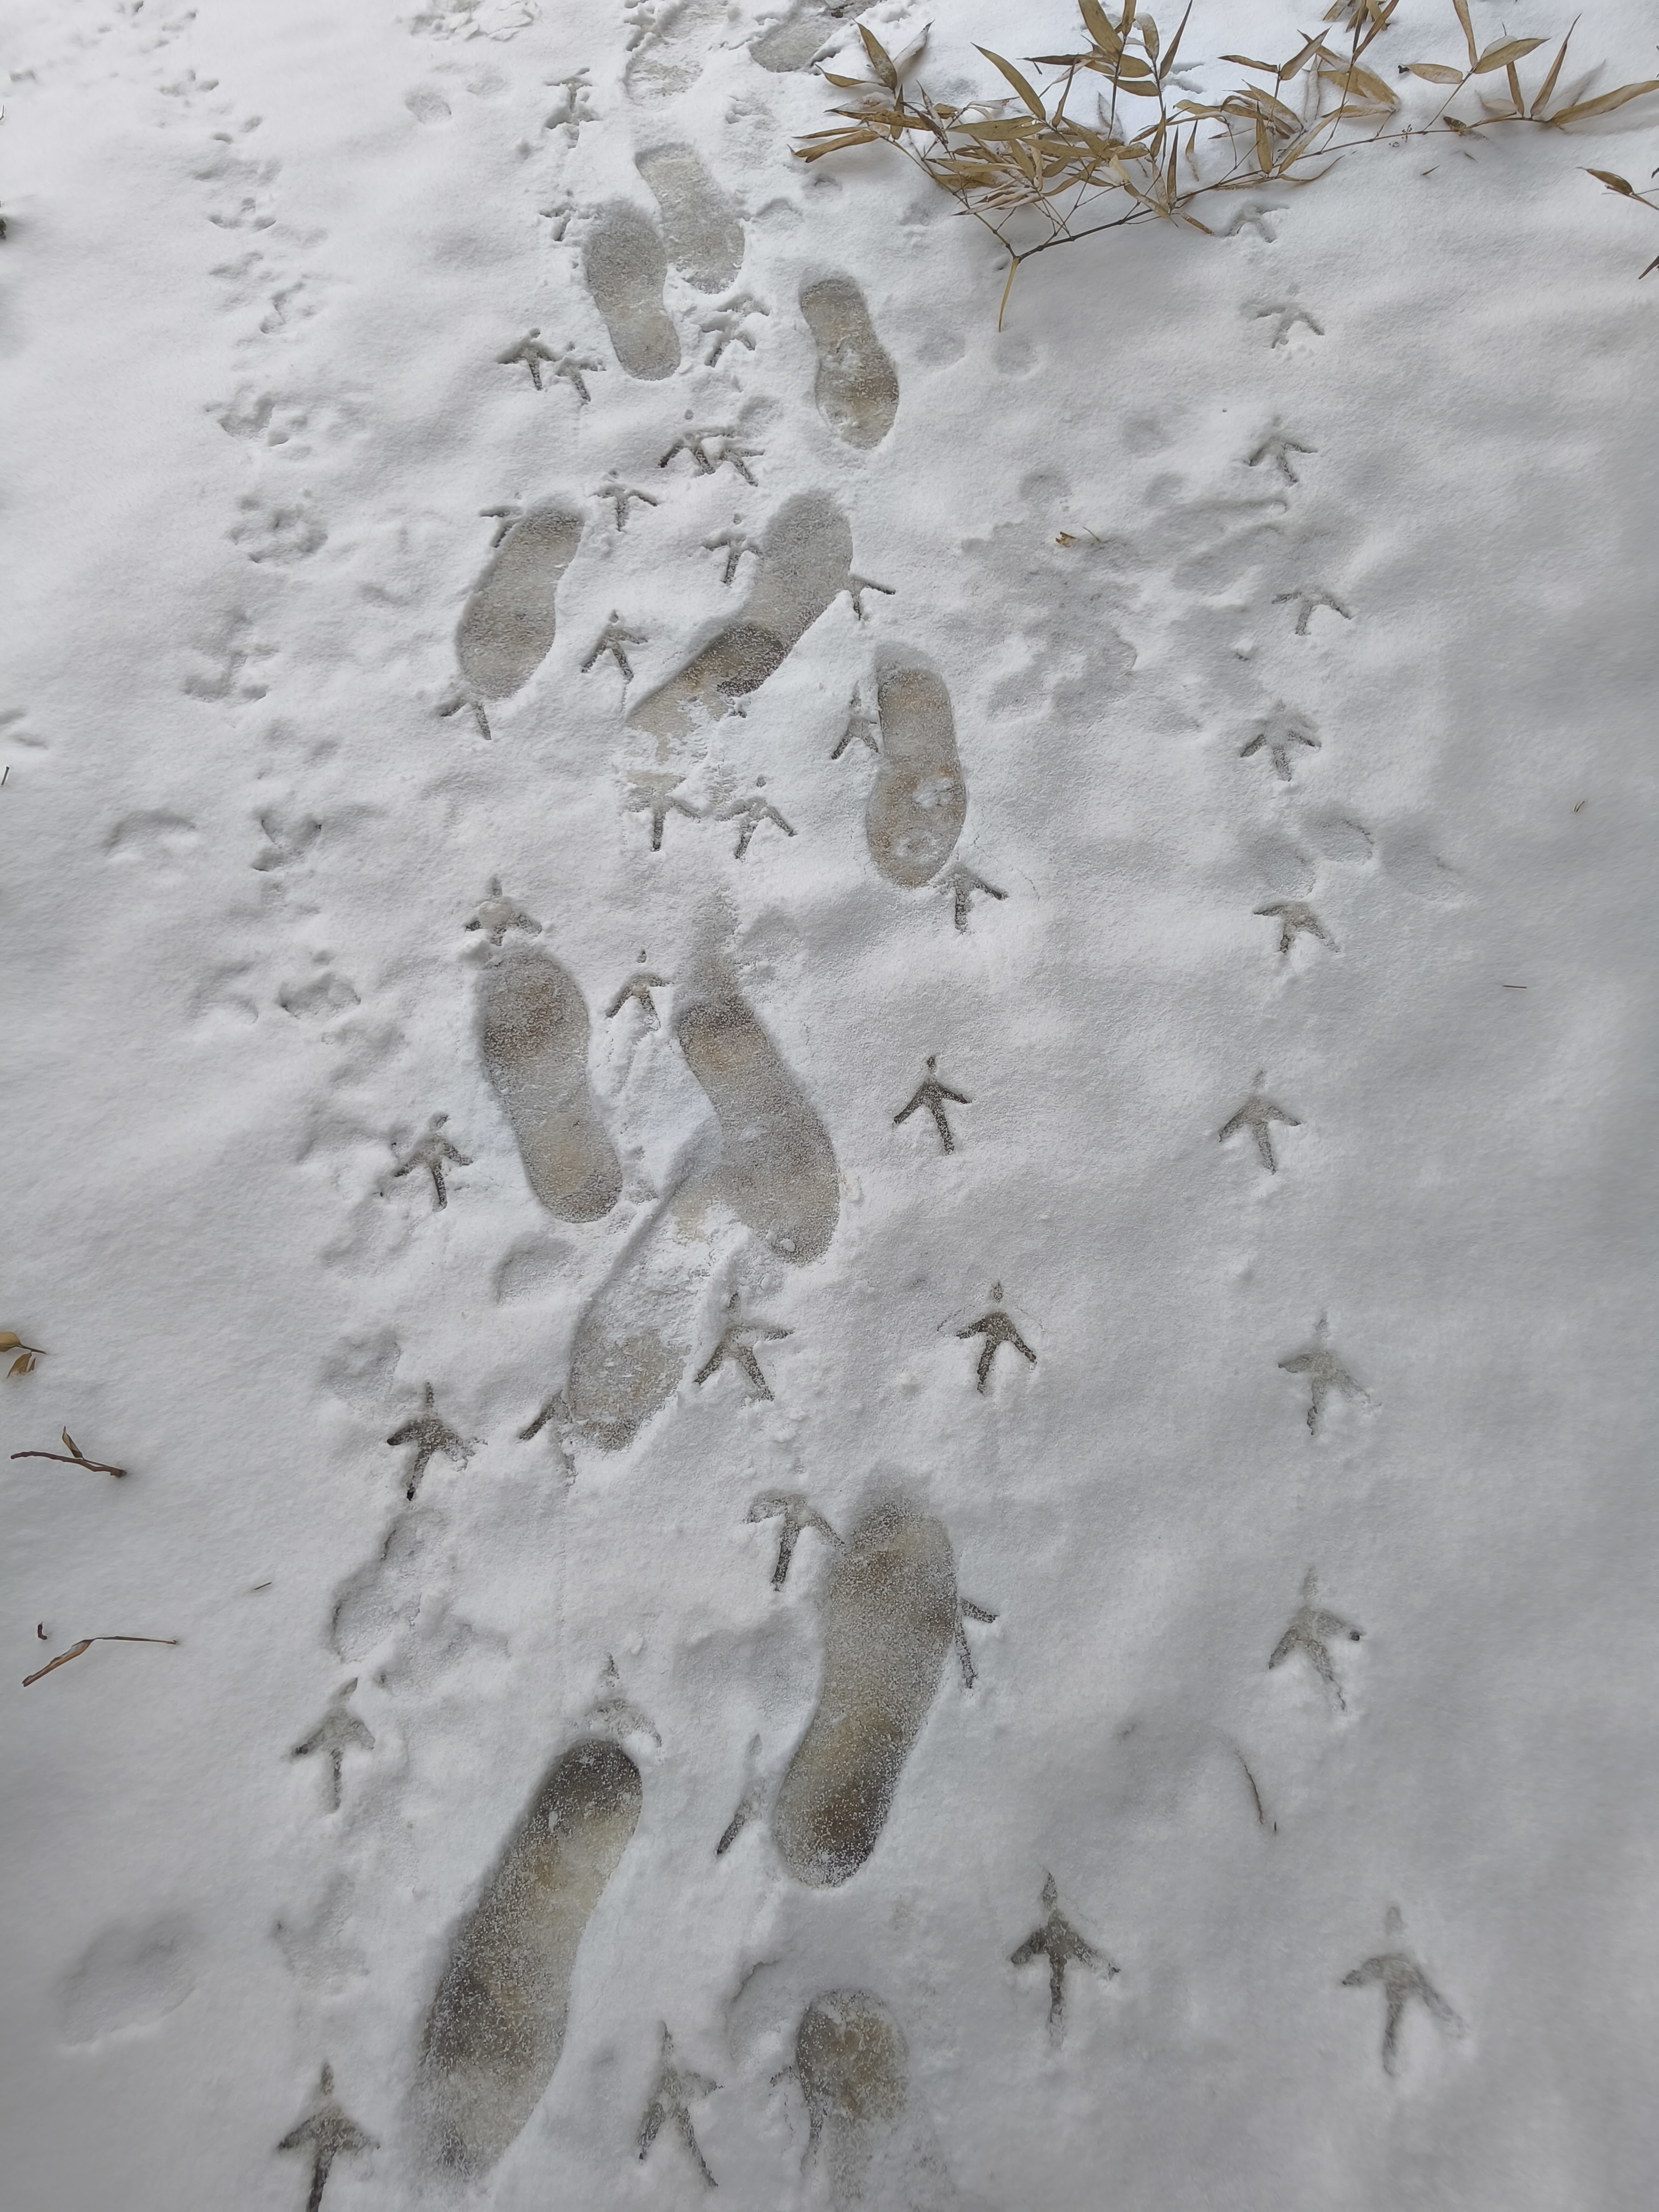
x=775, y=1171
x=495, y=2030
x=805, y=563
x=918, y=802
x=626, y=268
x=857, y=386
x=863, y=2120
x=532, y=1036
x=702, y=229
x=507, y=627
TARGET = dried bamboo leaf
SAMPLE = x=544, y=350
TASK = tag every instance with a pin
x=1462, y=8
x=1548, y=85
x=880, y=60
x=62, y=1660
x=1615, y=182
x=1506, y=51
x=1606, y=103
x=1174, y=48
x=1019, y=82
x=1435, y=72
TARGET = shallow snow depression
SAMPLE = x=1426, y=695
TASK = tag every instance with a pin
x=839, y=1117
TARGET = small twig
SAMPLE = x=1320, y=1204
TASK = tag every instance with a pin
x=74, y=1457
x=1255, y=1794
x=86, y=1644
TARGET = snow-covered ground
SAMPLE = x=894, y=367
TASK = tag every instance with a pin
x=1373, y=479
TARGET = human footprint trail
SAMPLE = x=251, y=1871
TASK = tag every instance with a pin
x=919, y=801
x=506, y=628
x=774, y=1174
x=701, y=230
x=865, y=2123
x=626, y=267
x=533, y=1038
x=806, y=563
x=495, y=2029
x=857, y=386
x=891, y=1616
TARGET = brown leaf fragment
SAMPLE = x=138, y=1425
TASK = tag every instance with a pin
x=880, y=60
x=1435, y=72
x=1506, y=51
x=1606, y=103
x=62, y=1660
x=1613, y=183
x=1019, y=82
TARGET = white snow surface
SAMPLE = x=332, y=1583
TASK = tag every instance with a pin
x=262, y=260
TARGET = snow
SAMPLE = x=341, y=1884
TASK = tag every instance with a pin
x=261, y=266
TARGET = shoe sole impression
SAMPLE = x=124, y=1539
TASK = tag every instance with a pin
x=918, y=802
x=854, y=2073
x=626, y=267
x=506, y=629
x=890, y=1617
x=777, y=1171
x=532, y=1036
x=634, y=1337
x=806, y=563
x=797, y=40
x=857, y=386
x=496, y=2026
x=702, y=228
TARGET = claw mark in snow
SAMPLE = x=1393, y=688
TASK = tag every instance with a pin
x=433, y=1153
x=797, y=1517
x=933, y=1094
x=1059, y=1942
x=997, y=1329
x=327, y=2134
x=1294, y=916
x=1402, y=1981
x=1276, y=449
x=734, y=543
x=1307, y=599
x=737, y=1343
x=430, y=1434
x=337, y=1732
x=498, y=914
x=726, y=325
x=1310, y=1631
x=675, y=2090
x=1275, y=737
x=619, y=495
x=1325, y=1373
x=727, y=451
x=1256, y=1114
x=1287, y=315
x=639, y=987
x=658, y=797
x=752, y=812
x=615, y=639
x=960, y=885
